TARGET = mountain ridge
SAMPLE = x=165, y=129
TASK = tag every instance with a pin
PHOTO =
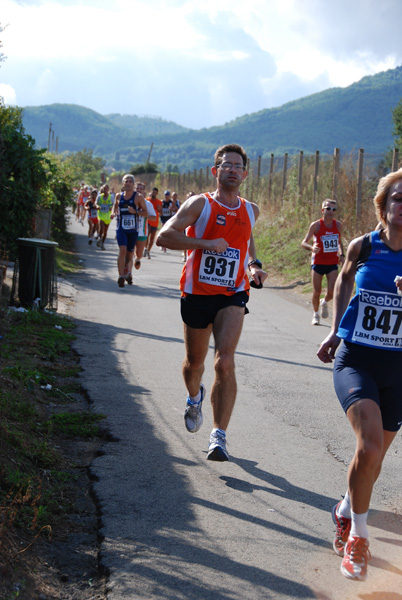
x=358, y=116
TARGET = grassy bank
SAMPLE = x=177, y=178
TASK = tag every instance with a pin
x=48, y=436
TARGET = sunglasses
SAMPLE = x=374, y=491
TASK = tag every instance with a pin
x=330, y=208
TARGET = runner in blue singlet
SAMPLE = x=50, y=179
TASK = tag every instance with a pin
x=368, y=365
x=128, y=207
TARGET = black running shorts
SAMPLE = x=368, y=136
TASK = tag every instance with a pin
x=363, y=372
x=324, y=269
x=198, y=311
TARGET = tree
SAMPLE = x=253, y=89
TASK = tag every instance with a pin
x=147, y=167
x=24, y=173
x=30, y=180
x=86, y=167
x=2, y=57
x=397, y=119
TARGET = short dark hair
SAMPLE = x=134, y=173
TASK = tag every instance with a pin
x=230, y=148
x=155, y=189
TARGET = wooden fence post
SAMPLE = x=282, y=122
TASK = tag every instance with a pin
x=271, y=173
x=299, y=178
x=285, y=166
x=206, y=175
x=360, y=161
x=335, y=173
x=249, y=181
x=258, y=171
x=316, y=169
x=395, y=159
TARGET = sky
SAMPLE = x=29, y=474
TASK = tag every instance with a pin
x=198, y=63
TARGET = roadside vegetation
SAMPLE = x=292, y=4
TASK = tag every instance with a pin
x=46, y=428
x=285, y=219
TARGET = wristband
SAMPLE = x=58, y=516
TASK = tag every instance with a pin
x=256, y=262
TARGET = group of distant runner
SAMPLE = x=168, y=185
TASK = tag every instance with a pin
x=97, y=206
x=137, y=219
x=214, y=231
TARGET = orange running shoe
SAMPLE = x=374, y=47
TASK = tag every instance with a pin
x=355, y=558
x=342, y=525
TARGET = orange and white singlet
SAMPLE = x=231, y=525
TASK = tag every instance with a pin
x=328, y=239
x=206, y=272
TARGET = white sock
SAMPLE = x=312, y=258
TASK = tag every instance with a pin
x=222, y=431
x=344, y=508
x=195, y=399
x=359, y=525
x=323, y=301
x=316, y=314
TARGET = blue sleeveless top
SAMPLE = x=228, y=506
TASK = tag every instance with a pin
x=374, y=315
x=127, y=221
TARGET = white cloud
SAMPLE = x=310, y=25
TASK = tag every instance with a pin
x=200, y=63
x=45, y=83
x=95, y=32
x=7, y=92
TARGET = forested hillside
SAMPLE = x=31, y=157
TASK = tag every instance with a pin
x=358, y=116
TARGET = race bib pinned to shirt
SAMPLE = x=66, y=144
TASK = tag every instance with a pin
x=379, y=320
x=220, y=269
x=128, y=221
x=330, y=242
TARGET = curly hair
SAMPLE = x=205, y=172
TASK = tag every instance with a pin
x=384, y=186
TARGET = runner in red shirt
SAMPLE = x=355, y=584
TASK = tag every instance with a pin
x=326, y=251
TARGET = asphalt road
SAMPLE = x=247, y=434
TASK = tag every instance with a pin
x=176, y=526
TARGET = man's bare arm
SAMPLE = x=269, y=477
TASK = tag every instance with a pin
x=172, y=235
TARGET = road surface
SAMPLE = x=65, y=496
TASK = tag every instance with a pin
x=176, y=526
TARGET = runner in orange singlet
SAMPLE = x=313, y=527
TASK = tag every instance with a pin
x=216, y=230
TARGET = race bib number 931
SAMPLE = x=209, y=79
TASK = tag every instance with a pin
x=220, y=269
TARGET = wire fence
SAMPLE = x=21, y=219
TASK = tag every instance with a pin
x=313, y=177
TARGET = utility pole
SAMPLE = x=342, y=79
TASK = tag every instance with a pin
x=150, y=150
x=48, y=139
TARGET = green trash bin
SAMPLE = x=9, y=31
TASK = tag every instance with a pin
x=36, y=273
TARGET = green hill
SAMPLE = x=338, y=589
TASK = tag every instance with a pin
x=145, y=126
x=75, y=126
x=358, y=116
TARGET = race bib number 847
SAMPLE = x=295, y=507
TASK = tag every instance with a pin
x=220, y=269
x=379, y=320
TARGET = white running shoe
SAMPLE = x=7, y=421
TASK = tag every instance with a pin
x=324, y=309
x=217, y=447
x=315, y=320
x=193, y=418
